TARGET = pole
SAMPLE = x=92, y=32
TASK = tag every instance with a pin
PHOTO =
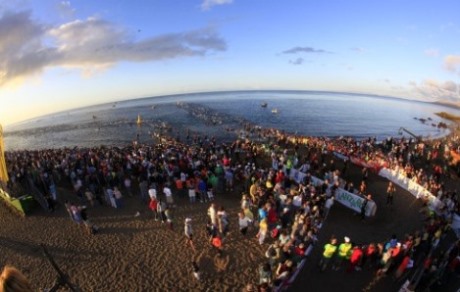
x=3, y=171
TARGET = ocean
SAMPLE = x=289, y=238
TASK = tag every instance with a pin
x=217, y=113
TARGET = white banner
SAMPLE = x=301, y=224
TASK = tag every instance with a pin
x=412, y=187
x=345, y=198
x=355, y=202
x=297, y=175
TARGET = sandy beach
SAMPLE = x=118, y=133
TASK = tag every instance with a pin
x=130, y=253
x=136, y=253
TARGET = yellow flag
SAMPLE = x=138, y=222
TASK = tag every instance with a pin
x=3, y=171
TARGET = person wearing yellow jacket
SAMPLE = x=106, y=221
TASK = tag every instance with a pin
x=343, y=253
x=328, y=253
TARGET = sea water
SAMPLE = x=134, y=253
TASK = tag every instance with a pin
x=216, y=113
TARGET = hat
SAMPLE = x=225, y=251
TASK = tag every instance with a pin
x=286, y=210
x=187, y=220
x=347, y=239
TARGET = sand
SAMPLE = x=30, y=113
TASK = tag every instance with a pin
x=129, y=253
x=139, y=254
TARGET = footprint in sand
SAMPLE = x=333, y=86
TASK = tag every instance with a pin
x=221, y=262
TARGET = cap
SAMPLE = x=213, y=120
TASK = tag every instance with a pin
x=188, y=220
x=286, y=210
x=347, y=239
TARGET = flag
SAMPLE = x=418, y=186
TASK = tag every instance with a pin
x=3, y=171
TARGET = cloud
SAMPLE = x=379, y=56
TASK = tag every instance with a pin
x=207, y=4
x=296, y=50
x=298, y=61
x=432, y=52
x=28, y=47
x=432, y=89
x=452, y=62
x=21, y=49
x=358, y=49
x=65, y=9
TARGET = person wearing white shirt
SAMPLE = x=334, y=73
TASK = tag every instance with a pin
x=297, y=201
x=212, y=213
x=153, y=193
x=243, y=223
x=168, y=193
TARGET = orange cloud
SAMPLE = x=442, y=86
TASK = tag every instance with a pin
x=452, y=62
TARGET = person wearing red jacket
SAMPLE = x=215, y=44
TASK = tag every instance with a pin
x=272, y=217
x=370, y=256
x=279, y=177
x=355, y=259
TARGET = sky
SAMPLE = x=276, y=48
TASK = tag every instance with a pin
x=58, y=55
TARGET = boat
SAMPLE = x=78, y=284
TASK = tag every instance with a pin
x=139, y=120
x=274, y=111
x=263, y=104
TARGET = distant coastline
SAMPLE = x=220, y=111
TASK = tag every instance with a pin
x=448, y=116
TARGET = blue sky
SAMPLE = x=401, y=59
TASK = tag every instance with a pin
x=56, y=55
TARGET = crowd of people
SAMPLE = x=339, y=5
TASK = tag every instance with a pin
x=286, y=215
x=416, y=257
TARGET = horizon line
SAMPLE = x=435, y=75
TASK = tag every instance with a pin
x=373, y=95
